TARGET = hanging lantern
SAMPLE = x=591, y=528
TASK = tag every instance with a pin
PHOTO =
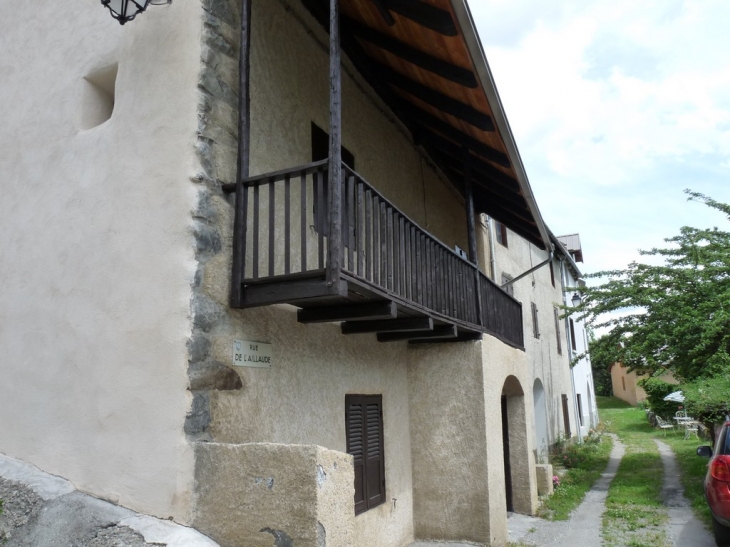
x=126, y=10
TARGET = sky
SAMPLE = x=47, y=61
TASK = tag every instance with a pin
x=617, y=107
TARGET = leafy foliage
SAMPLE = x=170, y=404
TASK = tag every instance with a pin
x=601, y=368
x=656, y=390
x=676, y=314
x=708, y=399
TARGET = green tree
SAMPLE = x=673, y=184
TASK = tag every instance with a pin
x=674, y=315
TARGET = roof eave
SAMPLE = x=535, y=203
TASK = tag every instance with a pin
x=484, y=73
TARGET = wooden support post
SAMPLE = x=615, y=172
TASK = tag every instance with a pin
x=472, y=233
x=242, y=170
x=334, y=242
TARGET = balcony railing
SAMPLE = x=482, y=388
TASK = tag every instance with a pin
x=385, y=256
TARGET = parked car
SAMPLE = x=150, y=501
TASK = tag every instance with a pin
x=717, y=485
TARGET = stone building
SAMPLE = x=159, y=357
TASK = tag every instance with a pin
x=202, y=327
x=541, y=280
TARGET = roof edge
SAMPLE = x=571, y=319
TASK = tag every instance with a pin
x=563, y=251
x=479, y=58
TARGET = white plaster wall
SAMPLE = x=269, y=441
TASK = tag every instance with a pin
x=302, y=398
x=544, y=361
x=582, y=373
x=96, y=251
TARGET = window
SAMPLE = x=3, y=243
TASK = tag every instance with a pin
x=557, y=330
x=364, y=431
x=580, y=409
x=535, y=325
x=501, y=231
x=552, y=273
x=572, y=335
x=566, y=416
x=509, y=289
x=320, y=151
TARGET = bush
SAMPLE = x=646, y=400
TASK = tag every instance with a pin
x=708, y=399
x=656, y=390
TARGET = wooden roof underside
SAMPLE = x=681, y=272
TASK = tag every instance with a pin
x=414, y=55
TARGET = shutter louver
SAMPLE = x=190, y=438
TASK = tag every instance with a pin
x=364, y=422
x=356, y=447
x=375, y=461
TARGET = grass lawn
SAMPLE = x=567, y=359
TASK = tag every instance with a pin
x=634, y=513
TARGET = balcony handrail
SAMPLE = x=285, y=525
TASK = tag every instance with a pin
x=406, y=217
x=276, y=176
x=492, y=282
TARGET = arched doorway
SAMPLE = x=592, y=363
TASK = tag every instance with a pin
x=517, y=455
x=541, y=422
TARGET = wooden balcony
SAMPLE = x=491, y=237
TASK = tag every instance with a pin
x=393, y=278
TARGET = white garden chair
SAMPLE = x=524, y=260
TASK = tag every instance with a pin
x=663, y=425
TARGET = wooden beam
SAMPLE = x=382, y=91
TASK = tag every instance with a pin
x=449, y=71
x=242, y=164
x=334, y=239
x=426, y=15
x=435, y=98
x=388, y=325
x=455, y=151
x=504, y=195
x=472, y=233
x=462, y=337
x=288, y=292
x=439, y=332
x=350, y=312
x=471, y=230
x=427, y=121
x=384, y=12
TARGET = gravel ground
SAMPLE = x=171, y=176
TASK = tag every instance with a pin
x=23, y=508
x=683, y=528
x=20, y=505
x=583, y=529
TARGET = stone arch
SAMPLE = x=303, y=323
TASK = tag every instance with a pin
x=542, y=441
x=518, y=458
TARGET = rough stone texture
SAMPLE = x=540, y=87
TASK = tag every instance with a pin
x=20, y=504
x=544, y=479
x=118, y=536
x=42, y=510
x=249, y=494
x=506, y=372
x=52, y=525
x=449, y=444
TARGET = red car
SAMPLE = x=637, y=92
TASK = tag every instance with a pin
x=717, y=485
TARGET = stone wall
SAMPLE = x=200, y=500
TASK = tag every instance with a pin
x=251, y=495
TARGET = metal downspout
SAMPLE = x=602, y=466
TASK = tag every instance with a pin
x=492, y=253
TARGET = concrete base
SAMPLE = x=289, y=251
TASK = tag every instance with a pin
x=544, y=474
x=250, y=495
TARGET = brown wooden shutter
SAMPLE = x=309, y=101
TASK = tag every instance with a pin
x=566, y=417
x=364, y=424
x=557, y=330
x=355, y=424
